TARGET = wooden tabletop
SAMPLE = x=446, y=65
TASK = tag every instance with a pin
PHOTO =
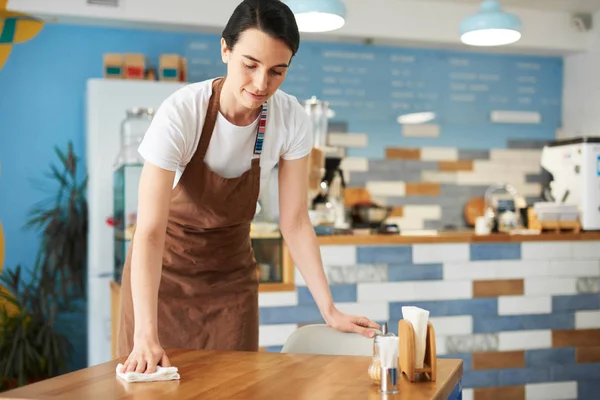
x=242, y=375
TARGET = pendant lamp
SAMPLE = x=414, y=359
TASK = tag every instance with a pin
x=318, y=15
x=491, y=26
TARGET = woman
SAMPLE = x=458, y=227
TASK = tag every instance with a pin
x=190, y=279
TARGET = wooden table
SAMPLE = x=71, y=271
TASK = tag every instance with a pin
x=243, y=375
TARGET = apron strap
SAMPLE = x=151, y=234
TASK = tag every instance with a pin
x=260, y=132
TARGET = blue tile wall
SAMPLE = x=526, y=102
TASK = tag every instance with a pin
x=575, y=372
x=523, y=322
x=274, y=349
x=588, y=389
x=495, y=251
x=542, y=358
x=384, y=254
x=475, y=307
x=300, y=314
x=411, y=272
x=576, y=302
x=522, y=376
x=487, y=378
x=341, y=293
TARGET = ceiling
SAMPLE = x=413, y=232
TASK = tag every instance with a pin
x=585, y=6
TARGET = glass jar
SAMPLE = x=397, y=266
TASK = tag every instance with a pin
x=318, y=111
x=133, y=128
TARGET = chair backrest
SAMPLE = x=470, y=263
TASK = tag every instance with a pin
x=321, y=339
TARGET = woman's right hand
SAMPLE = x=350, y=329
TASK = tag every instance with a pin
x=146, y=355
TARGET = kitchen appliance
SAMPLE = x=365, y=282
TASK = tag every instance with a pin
x=371, y=216
x=573, y=169
x=107, y=102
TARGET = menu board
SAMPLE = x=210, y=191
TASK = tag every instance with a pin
x=369, y=86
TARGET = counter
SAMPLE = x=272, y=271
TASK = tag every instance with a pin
x=245, y=375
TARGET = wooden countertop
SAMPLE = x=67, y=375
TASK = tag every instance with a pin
x=243, y=375
x=453, y=237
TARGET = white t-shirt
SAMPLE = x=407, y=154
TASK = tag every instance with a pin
x=175, y=130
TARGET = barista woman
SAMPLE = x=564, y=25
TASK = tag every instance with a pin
x=189, y=280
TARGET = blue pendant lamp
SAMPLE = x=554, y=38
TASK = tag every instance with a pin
x=490, y=26
x=318, y=15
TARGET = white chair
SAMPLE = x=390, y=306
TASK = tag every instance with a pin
x=322, y=339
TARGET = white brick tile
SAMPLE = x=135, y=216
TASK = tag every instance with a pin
x=348, y=139
x=439, y=177
x=412, y=291
x=492, y=167
x=423, y=212
x=528, y=189
x=355, y=164
x=277, y=299
x=468, y=394
x=275, y=335
x=376, y=188
x=545, y=250
x=519, y=305
x=421, y=130
x=585, y=250
x=524, y=340
x=551, y=391
x=570, y=268
x=550, y=286
x=440, y=344
x=298, y=279
x=587, y=319
x=454, y=325
x=439, y=253
x=407, y=224
x=439, y=154
x=338, y=255
x=495, y=269
x=375, y=311
x=516, y=155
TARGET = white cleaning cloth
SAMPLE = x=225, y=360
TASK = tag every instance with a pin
x=418, y=318
x=161, y=374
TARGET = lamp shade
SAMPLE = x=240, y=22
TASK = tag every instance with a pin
x=318, y=15
x=491, y=26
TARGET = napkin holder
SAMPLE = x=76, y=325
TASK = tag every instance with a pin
x=406, y=354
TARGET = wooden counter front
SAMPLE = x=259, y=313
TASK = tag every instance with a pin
x=453, y=237
x=243, y=375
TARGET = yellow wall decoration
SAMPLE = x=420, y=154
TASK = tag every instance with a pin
x=10, y=308
x=15, y=28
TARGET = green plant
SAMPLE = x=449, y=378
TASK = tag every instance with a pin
x=33, y=337
x=62, y=221
x=31, y=344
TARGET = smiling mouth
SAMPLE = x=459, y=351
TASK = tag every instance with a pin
x=256, y=96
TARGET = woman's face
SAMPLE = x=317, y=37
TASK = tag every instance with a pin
x=256, y=66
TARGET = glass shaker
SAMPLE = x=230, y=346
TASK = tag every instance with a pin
x=318, y=112
x=133, y=128
x=375, y=367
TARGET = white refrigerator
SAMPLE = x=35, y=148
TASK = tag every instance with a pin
x=106, y=103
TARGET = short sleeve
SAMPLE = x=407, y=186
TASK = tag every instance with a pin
x=167, y=141
x=301, y=139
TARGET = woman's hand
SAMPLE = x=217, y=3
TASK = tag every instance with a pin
x=351, y=323
x=146, y=355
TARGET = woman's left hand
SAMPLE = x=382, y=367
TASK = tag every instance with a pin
x=351, y=323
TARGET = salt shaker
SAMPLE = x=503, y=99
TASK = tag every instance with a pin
x=375, y=367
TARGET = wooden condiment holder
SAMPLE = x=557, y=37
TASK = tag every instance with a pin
x=406, y=353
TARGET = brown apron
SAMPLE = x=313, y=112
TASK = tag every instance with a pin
x=208, y=295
